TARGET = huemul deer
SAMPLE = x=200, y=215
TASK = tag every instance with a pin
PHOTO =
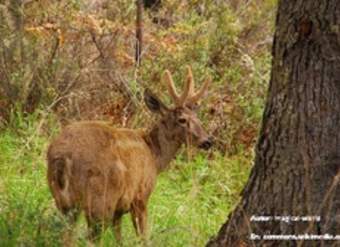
x=107, y=172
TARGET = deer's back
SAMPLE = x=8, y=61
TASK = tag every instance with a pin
x=100, y=168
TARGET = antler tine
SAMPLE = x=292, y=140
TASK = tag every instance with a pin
x=195, y=97
x=190, y=81
x=188, y=87
x=171, y=86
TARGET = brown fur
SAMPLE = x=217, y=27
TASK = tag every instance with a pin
x=101, y=170
x=107, y=172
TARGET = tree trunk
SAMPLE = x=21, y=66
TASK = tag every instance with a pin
x=152, y=4
x=296, y=170
x=139, y=31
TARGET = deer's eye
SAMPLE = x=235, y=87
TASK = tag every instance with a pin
x=182, y=120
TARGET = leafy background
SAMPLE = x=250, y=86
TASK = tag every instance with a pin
x=62, y=61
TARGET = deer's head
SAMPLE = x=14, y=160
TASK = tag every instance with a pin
x=180, y=122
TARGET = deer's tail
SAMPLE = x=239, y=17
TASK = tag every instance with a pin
x=59, y=176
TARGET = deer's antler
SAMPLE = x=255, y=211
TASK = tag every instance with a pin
x=171, y=86
x=189, y=96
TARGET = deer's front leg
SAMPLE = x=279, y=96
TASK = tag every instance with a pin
x=117, y=225
x=139, y=217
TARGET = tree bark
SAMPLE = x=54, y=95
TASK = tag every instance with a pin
x=297, y=163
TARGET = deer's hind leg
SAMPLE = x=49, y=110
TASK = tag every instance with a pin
x=68, y=234
x=96, y=225
x=99, y=216
x=100, y=201
x=71, y=214
x=95, y=228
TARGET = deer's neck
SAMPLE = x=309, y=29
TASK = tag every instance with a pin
x=164, y=144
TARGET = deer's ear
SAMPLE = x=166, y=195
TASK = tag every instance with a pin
x=153, y=103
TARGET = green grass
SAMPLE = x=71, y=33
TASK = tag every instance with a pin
x=190, y=203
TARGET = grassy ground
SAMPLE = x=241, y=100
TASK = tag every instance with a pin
x=190, y=202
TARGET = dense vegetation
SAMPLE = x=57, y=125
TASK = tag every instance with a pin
x=55, y=68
